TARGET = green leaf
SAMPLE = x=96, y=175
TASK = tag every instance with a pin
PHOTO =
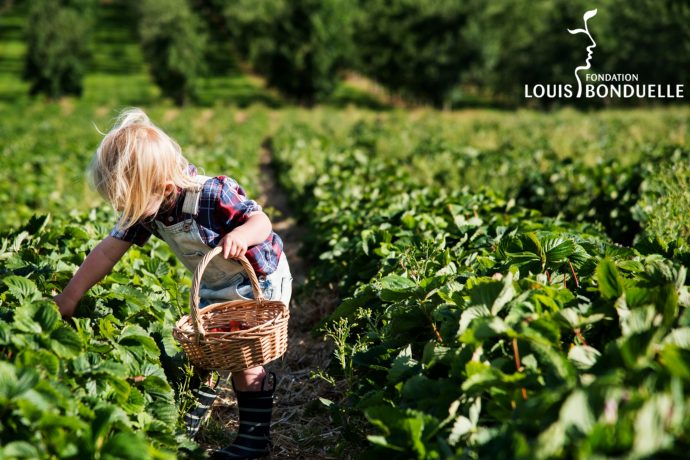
x=48, y=317
x=395, y=287
x=435, y=353
x=5, y=333
x=469, y=315
x=638, y=350
x=551, y=442
x=157, y=387
x=679, y=337
x=403, y=366
x=136, y=337
x=461, y=427
x=24, y=319
x=125, y=446
x=650, y=436
x=523, y=250
x=631, y=265
x=66, y=342
x=492, y=294
x=164, y=411
x=135, y=401
x=556, y=366
x=383, y=442
x=120, y=388
x=610, y=281
x=557, y=250
x=635, y=321
x=483, y=377
x=326, y=402
x=77, y=232
x=397, y=283
x=583, y=356
x=485, y=328
x=676, y=360
x=13, y=382
x=104, y=418
x=571, y=318
x=667, y=303
x=449, y=291
x=506, y=295
x=350, y=305
x=130, y=294
x=19, y=449
x=23, y=289
x=39, y=359
x=636, y=296
x=403, y=429
x=33, y=404
x=475, y=410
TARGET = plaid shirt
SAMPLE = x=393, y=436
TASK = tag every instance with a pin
x=223, y=206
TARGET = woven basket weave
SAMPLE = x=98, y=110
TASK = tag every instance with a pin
x=264, y=340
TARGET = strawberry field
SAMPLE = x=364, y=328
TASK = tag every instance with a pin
x=479, y=273
x=497, y=299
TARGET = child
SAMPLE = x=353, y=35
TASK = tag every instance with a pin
x=142, y=173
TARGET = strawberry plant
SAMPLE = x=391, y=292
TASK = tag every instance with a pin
x=96, y=387
x=472, y=327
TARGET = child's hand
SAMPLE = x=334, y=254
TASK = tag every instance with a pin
x=65, y=304
x=234, y=245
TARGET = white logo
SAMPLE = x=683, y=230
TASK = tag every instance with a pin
x=616, y=85
x=587, y=16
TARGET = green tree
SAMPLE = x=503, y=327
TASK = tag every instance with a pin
x=650, y=38
x=416, y=48
x=299, y=46
x=57, y=46
x=173, y=45
x=527, y=43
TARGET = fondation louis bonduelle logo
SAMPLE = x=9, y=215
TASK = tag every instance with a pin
x=619, y=85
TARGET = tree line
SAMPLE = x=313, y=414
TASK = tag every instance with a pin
x=439, y=52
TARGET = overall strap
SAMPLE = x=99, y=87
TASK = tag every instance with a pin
x=191, y=199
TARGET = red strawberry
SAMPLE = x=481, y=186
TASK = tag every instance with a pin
x=238, y=326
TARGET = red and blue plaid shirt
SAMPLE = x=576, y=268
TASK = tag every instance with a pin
x=223, y=206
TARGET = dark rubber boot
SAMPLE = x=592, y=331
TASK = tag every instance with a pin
x=205, y=396
x=253, y=437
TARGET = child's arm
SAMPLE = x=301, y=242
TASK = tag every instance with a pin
x=95, y=267
x=254, y=231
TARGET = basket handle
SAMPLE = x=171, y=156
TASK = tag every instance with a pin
x=196, y=284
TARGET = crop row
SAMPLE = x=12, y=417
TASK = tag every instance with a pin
x=475, y=327
x=626, y=170
x=104, y=386
x=112, y=383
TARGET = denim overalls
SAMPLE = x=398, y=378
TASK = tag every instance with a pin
x=223, y=279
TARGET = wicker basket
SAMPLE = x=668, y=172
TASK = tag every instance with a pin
x=264, y=340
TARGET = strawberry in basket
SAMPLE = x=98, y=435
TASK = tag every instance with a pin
x=233, y=326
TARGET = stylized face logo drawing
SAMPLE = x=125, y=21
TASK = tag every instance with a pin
x=587, y=16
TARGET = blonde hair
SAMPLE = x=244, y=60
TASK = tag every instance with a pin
x=132, y=164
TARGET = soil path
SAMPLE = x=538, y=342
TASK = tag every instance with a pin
x=301, y=427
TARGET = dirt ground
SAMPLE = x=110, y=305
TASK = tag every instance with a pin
x=301, y=427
